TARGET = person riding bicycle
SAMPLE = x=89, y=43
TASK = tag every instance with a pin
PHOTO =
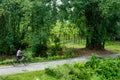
x=19, y=55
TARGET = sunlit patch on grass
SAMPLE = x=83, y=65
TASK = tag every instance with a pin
x=113, y=46
x=37, y=79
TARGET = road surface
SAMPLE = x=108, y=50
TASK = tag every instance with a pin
x=6, y=70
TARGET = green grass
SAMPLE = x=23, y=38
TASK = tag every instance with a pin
x=76, y=45
x=113, y=46
x=57, y=57
x=110, y=45
x=34, y=75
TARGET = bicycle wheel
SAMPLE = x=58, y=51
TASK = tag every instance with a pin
x=15, y=62
x=25, y=60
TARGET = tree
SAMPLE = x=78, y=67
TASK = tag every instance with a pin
x=10, y=23
x=40, y=24
x=94, y=38
x=110, y=12
x=101, y=19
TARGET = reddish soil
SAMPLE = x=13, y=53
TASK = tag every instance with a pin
x=87, y=52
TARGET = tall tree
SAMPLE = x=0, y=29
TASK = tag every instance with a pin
x=40, y=23
x=93, y=16
x=11, y=17
x=101, y=19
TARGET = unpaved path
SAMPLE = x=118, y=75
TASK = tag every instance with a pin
x=6, y=70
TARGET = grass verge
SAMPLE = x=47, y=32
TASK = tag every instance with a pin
x=34, y=75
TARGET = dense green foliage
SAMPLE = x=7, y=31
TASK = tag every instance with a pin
x=38, y=24
x=95, y=69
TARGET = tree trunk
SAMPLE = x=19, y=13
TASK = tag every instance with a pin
x=94, y=44
x=94, y=39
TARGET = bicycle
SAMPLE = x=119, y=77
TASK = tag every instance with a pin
x=23, y=60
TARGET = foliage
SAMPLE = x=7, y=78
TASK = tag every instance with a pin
x=92, y=70
x=10, y=25
x=35, y=23
x=110, y=11
x=65, y=31
x=99, y=15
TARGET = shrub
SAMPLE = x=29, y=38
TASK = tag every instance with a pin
x=95, y=69
x=68, y=52
x=57, y=72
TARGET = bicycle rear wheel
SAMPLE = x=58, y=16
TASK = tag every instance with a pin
x=15, y=62
x=25, y=61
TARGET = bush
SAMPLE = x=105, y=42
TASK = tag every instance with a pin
x=69, y=53
x=57, y=72
x=93, y=63
x=95, y=69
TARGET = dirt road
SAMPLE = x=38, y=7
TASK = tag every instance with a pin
x=6, y=70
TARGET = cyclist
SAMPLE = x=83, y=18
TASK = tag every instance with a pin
x=19, y=55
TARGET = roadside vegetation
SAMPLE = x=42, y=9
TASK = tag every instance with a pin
x=71, y=50
x=95, y=69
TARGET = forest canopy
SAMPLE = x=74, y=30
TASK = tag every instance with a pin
x=36, y=23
